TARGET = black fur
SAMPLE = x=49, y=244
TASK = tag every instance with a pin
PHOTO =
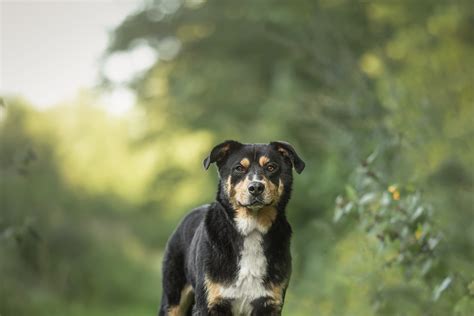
x=208, y=244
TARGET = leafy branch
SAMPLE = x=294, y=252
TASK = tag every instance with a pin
x=398, y=217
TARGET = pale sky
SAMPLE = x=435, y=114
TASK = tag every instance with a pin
x=49, y=50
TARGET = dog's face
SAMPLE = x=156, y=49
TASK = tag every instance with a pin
x=254, y=176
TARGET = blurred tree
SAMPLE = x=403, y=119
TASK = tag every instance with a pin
x=338, y=79
x=63, y=246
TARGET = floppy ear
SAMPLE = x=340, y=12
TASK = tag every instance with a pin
x=288, y=151
x=221, y=151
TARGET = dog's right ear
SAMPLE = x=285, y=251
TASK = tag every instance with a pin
x=220, y=152
x=287, y=150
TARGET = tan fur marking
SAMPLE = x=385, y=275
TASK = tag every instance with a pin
x=266, y=216
x=240, y=192
x=185, y=301
x=173, y=311
x=187, y=296
x=243, y=212
x=231, y=192
x=280, y=189
x=228, y=188
x=245, y=162
x=273, y=192
x=263, y=160
x=277, y=293
x=213, y=292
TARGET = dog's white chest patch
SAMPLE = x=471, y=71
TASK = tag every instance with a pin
x=249, y=283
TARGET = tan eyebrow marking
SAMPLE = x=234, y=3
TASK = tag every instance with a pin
x=263, y=160
x=245, y=162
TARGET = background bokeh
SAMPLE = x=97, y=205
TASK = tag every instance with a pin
x=376, y=96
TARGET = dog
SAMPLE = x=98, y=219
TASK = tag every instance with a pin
x=232, y=257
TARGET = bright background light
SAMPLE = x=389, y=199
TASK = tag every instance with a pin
x=123, y=66
x=49, y=51
x=118, y=101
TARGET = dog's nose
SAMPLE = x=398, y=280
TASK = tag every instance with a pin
x=256, y=188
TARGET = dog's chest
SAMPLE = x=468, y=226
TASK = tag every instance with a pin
x=252, y=266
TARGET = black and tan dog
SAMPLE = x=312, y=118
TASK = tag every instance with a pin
x=232, y=257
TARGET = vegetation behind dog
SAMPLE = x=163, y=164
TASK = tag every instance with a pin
x=377, y=97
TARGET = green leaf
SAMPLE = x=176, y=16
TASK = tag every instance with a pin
x=471, y=288
x=368, y=198
x=338, y=214
x=441, y=288
x=372, y=156
x=418, y=212
x=351, y=193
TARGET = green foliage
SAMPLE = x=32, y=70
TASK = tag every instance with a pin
x=87, y=201
x=394, y=214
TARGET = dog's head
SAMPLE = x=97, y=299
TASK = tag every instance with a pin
x=254, y=176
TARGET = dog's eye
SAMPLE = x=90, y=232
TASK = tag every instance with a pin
x=240, y=168
x=271, y=167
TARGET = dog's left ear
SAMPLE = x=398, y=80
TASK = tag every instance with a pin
x=288, y=151
x=220, y=152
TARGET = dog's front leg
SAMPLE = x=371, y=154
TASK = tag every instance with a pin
x=221, y=309
x=272, y=304
x=267, y=306
x=208, y=304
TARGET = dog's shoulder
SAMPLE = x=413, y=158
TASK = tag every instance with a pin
x=219, y=225
x=194, y=217
x=186, y=229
